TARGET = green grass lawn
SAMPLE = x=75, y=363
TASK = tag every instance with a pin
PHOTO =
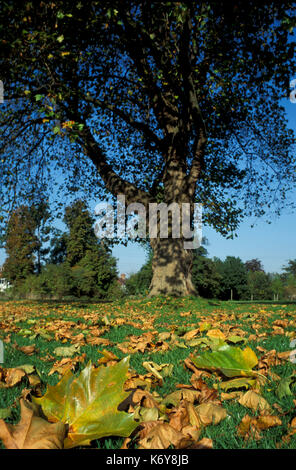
x=48, y=325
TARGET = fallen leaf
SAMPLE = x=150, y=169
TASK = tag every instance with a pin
x=241, y=382
x=161, y=436
x=67, y=351
x=32, y=432
x=88, y=404
x=250, y=427
x=210, y=413
x=231, y=361
x=254, y=401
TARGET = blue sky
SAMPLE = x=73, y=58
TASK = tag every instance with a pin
x=274, y=244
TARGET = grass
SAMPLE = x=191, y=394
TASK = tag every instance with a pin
x=49, y=325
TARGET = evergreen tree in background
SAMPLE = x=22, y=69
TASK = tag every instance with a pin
x=21, y=243
x=81, y=236
x=93, y=268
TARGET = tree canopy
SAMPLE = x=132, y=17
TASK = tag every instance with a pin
x=159, y=101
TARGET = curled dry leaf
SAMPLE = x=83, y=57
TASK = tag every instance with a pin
x=241, y=382
x=159, y=370
x=29, y=350
x=250, y=427
x=32, y=432
x=210, y=413
x=254, y=401
x=174, y=398
x=161, y=436
x=204, y=443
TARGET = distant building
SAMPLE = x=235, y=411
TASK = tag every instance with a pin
x=4, y=284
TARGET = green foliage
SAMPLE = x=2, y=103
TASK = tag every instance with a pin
x=80, y=267
x=234, y=277
x=259, y=285
x=138, y=283
x=277, y=286
x=205, y=275
x=20, y=245
x=290, y=268
x=254, y=265
x=290, y=287
x=95, y=273
x=54, y=281
x=80, y=237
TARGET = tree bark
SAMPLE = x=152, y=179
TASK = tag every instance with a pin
x=171, y=266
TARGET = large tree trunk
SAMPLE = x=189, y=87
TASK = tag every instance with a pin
x=171, y=266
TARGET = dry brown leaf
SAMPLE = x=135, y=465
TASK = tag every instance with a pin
x=231, y=395
x=162, y=435
x=11, y=377
x=179, y=417
x=210, y=413
x=247, y=428
x=29, y=350
x=144, y=398
x=164, y=336
x=204, y=443
x=32, y=432
x=250, y=427
x=197, y=372
x=107, y=357
x=254, y=401
x=190, y=334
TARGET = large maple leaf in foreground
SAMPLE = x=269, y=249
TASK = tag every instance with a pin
x=88, y=403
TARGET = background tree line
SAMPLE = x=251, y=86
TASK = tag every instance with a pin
x=45, y=262
x=228, y=279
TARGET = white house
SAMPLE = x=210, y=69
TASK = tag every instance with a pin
x=4, y=284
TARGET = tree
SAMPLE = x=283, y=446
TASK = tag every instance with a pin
x=58, y=248
x=93, y=267
x=290, y=287
x=81, y=236
x=290, y=268
x=259, y=285
x=254, y=265
x=20, y=245
x=138, y=283
x=234, y=277
x=174, y=102
x=277, y=286
x=205, y=276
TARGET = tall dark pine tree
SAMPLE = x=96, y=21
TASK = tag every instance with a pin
x=81, y=237
x=20, y=245
x=93, y=266
x=174, y=102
